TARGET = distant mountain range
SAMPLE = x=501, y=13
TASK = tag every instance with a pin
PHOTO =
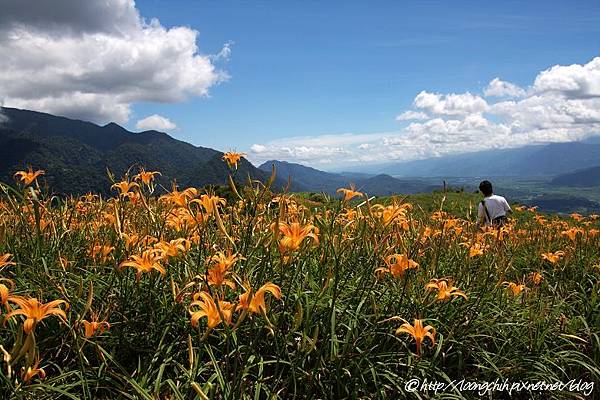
x=586, y=177
x=76, y=154
x=312, y=180
x=533, y=161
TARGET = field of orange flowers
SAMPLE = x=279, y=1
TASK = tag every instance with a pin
x=182, y=294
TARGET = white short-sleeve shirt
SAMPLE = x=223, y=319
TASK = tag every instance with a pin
x=497, y=206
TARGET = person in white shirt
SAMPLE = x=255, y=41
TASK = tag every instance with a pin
x=493, y=208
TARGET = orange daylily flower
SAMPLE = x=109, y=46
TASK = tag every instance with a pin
x=34, y=311
x=124, y=187
x=572, y=233
x=393, y=212
x=27, y=177
x=4, y=260
x=427, y=233
x=418, y=332
x=445, y=289
x=94, y=326
x=349, y=194
x=577, y=217
x=172, y=248
x=232, y=158
x=294, y=235
x=210, y=203
x=348, y=215
x=5, y=291
x=101, y=250
x=32, y=371
x=89, y=197
x=257, y=302
x=553, y=257
x=208, y=309
x=537, y=278
x=397, y=265
x=514, y=288
x=477, y=249
x=178, y=198
x=145, y=263
x=145, y=176
x=217, y=274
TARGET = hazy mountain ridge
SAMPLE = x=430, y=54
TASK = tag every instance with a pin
x=314, y=180
x=76, y=154
x=534, y=160
x=585, y=177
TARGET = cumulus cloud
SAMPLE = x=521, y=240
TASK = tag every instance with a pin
x=450, y=104
x=314, y=150
x=411, y=115
x=500, y=88
x=156, y=122
x=561, y=105
x=92, y=59
x=575, y=81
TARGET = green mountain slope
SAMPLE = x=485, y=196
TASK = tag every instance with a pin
x=76, y=154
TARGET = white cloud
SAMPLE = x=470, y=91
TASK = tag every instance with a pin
x=500, y=88
x=92, y=59
x=301, y=154
x=258, y=148
x=225, y=52
x=156, y=122
x=576, y=80
x=450, y=104
x=412, y=115
x=562, y=105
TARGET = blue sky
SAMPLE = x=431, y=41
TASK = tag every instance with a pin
x=325, y=67
x=320, y=82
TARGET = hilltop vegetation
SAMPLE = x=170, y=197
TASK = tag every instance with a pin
x=77, y=154
x=266, y=295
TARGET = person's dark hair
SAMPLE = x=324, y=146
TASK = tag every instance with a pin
x=486, y=188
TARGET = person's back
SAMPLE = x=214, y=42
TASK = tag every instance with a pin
x=493, y=208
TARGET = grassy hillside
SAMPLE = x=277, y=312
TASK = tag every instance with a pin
x=189, y=296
